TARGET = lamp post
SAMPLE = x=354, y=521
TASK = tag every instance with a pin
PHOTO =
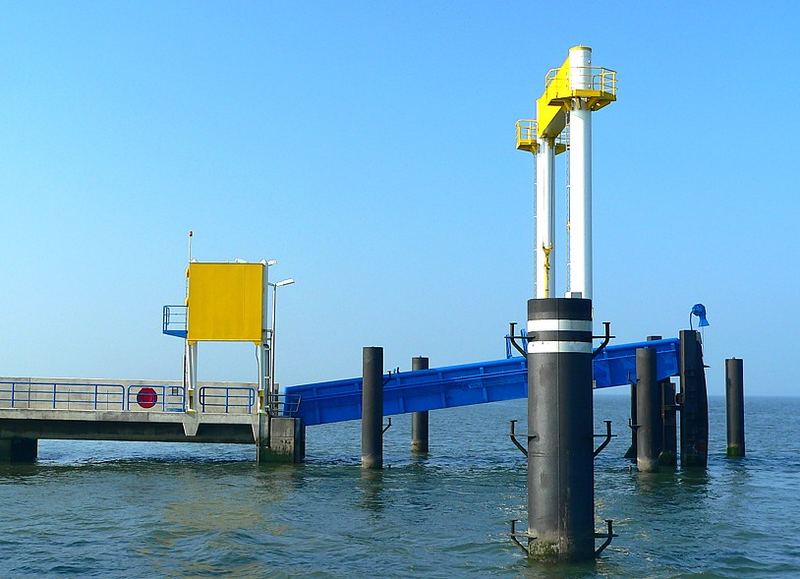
x=265, y=347
x=273, y=394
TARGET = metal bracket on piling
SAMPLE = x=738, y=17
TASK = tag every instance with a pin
x=608, y=536
x=606, y=337
x=514, y=338
x=387, y=427
x=516, y=442
x=524, y=534
x=388, y=377
x=608, y=436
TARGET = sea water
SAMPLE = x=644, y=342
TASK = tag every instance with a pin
x=145, y=509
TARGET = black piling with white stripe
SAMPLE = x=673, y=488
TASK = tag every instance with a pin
x=560, y=429
x=419, y=420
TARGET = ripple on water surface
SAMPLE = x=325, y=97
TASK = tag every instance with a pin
x=134, y=509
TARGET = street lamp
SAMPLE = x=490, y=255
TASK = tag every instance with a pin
x=264, y=350
x=272, y=390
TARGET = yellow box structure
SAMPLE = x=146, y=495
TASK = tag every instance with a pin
x=225, y=302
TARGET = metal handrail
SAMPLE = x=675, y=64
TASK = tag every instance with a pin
x=602, y=79
x=174, y=318
x=59, y=394
x=162, y=402
x=550, y=76
x=230, y=398
x=280, y=405
x=527, y=130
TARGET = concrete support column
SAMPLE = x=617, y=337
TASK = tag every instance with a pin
x=560, y=430
x=372, y=408
x=18, y=450
x=734, y=405
x=419, y=420
x=280, y=439
x=649, y=425
x=694, y=402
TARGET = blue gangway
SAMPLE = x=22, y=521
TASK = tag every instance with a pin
x=476, y=383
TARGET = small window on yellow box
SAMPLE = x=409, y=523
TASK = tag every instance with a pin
x=226, y=302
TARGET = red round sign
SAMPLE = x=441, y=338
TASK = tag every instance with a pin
x=147, y=397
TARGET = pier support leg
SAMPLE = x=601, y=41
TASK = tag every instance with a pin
x=281, y=439
x=372, y=408
x=669, y=454
x=734, y=403
x=18, y=450
x=560, y=430
x=649, y=427
x=419, y=420
x=694, y=402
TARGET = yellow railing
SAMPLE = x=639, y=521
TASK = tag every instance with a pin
x=550, y=77
x=526, y=130
x=528, y=133
x=602, y=79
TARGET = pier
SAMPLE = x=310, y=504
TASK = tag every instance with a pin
x=237, y=412
x=137, y=410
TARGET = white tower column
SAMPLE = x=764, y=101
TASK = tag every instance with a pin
x=190, y=379
x=580, y=176
x=545, y=218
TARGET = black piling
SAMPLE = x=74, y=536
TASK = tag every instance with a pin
x=419, y=420
x=372, y=408
x=734, y=405
x=669, y=419
x=669, y=454
x=694, y=402
x=649, y=426
x=631, y=453
x=560, y=429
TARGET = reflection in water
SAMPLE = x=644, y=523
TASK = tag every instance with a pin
x=371, y=483
x=655, y=483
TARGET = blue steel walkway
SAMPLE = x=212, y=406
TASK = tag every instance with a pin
x=477, y=383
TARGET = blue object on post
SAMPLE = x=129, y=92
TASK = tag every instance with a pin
x=699, y=310
x=462, y=385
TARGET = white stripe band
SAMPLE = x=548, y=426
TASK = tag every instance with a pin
x=559, y=347
x=555, y=325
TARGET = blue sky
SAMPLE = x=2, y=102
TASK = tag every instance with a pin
x=369, y=147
